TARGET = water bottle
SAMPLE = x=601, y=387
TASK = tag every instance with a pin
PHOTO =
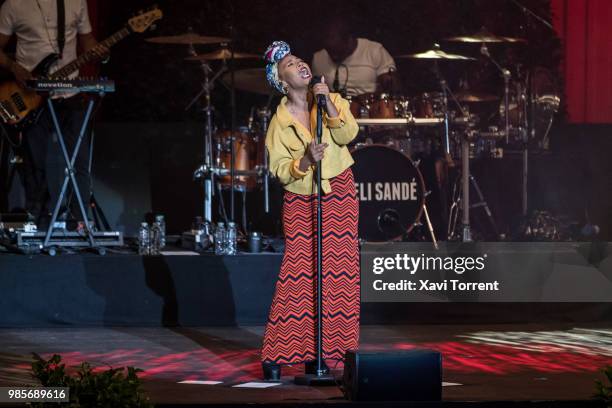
x=161, y=223
x=230, y=248
x=220, y=239
x=144, y=239
x=155, y=239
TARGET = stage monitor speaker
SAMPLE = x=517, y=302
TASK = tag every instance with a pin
x=414, y=375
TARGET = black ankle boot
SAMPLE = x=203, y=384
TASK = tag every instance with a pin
x=310, y=367
x=271, y=371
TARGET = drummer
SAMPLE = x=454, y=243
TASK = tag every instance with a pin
x=353, y=66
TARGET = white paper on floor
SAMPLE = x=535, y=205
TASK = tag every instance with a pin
x=450, y=384
x=201, y=382
x=254, y=384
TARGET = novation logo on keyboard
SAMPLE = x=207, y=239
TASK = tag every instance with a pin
x=82, y=85
x=389, y=191
x=54, y=85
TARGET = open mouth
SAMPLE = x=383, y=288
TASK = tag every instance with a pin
x=304, y=72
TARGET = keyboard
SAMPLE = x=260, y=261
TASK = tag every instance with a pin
x=72, y=85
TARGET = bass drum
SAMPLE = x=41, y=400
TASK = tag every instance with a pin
x=390, y=190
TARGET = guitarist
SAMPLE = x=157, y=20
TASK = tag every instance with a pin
x=39, y=33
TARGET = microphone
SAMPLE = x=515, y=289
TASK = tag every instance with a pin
x=320, y=98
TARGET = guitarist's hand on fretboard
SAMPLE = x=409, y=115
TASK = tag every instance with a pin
x=93, y=50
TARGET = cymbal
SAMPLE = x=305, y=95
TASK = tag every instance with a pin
x=221, y=54
x=187, y=39
x=484, y=36
x=474, y=97
x=436, y=54
x=250, y=80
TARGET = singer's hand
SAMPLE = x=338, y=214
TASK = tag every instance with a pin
x=321, y=88
x=314, y=153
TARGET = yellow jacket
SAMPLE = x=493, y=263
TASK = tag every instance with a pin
x=287, y=140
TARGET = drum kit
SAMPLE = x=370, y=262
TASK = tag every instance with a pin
x=395, y=129
x=233, y=159
x=400, y=123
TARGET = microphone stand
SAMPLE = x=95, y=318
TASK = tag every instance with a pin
x=507, y=77
x=264, y=118
x=530, y=125
x=466, y=234
x=534, y=15
x=321, y=377
x=446, y=92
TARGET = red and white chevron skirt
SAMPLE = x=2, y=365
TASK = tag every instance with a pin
x=290, y=335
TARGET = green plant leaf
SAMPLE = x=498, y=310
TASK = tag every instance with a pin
x=114, y=387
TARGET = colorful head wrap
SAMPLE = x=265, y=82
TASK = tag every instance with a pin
x=275, y=52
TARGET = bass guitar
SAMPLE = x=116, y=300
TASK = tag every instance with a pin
x=18, y=105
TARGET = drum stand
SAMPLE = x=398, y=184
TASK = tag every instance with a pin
x=207, y=170
x=466, y=233
x=430, y=226
x=461, y=198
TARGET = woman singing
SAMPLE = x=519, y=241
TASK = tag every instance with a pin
x=290, y=335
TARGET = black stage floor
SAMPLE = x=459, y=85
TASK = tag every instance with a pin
x=528, y=362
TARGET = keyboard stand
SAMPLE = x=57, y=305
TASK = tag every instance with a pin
x=69, y=177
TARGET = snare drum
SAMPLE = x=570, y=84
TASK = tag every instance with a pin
x=390, y=190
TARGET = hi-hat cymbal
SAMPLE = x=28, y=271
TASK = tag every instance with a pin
x=187, y=39
x=250, y=80
x=221, y=54
x=436, y=54
x=475, y=97
x=484, y=36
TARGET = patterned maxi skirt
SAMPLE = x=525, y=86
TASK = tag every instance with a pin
x=290, y=335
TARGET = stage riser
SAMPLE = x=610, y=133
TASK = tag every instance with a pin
x=129, y=290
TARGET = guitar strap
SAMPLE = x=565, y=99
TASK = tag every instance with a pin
x=61, y=26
